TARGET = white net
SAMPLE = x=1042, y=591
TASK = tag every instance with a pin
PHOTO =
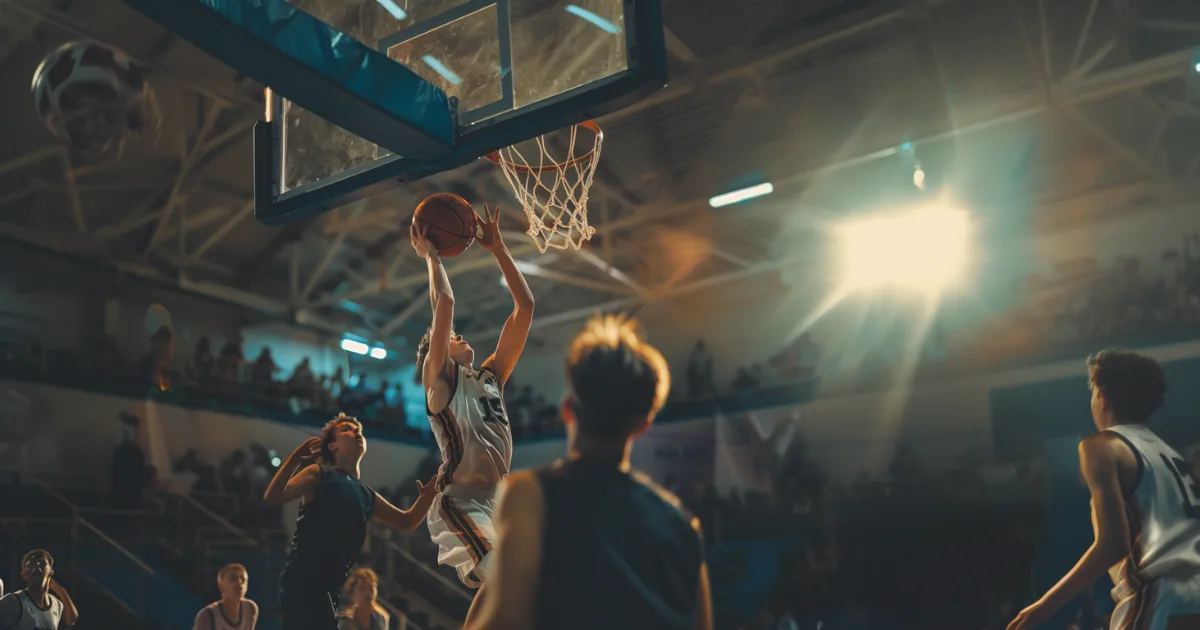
x=554, y=193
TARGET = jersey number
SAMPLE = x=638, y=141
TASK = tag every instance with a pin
x=493, y=410
x=1187, y=486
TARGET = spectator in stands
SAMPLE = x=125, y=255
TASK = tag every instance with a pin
x=127, y=472
x=200, y=368
x=262, y=374
x=229, y=366
x=233, y=611
x=303, y=383
x=700, y=373
x=364, y=611
x=162, y=357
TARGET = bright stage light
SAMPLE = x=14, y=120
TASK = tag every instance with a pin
x=378, y=353
x=739, y=196
x=924, y=250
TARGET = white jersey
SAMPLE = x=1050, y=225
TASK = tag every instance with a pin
x=1163, y=510
x=34, y=618
x=213, y=617
x=473, y=431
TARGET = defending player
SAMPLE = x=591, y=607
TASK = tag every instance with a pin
x=233, y=611
x=334, y=509
x=43, y=603
x=466, y=410
x=1145, y=507
x=588, y=543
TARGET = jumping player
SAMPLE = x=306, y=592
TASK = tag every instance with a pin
x=588, y=543
x=334, y=510
x=466, y=410
x=1145, y=507
x=233, y=611
x=43, y=604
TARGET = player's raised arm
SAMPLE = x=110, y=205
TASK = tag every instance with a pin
x=406, y=520
x=287, y=485
x=516, y=327
x=441, y=296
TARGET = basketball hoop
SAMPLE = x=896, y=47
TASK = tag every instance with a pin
x=554, y=194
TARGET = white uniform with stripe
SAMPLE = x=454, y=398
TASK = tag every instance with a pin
x=1158, y=586
x=475, y=437
x=34, y=618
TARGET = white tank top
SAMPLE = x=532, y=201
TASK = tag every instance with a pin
x=473, y=431
x=212, y=617
x=1163, y=510
x=34, y=618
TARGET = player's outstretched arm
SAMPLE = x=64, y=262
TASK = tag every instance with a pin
x=70, y=614
x=441, y=296
x=286, y=485
x=516, y=327
x=1099, y=461
x=510, y=599
x=410, y=519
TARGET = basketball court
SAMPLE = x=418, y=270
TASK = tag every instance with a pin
x=365, y=95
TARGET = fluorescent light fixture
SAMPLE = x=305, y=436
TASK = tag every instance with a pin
x=394, y=9
x=739, y=196
x=596, y=20
x=357, y=347
x=378, y=353
x=441, y=69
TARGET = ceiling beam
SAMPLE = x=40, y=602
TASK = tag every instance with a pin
x=232, y=221
x=758, y=62
x=1068, y=92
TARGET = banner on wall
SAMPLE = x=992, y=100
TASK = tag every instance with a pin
x=750, y=448
x=679, y=454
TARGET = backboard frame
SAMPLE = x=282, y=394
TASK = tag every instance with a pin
x=219, y=27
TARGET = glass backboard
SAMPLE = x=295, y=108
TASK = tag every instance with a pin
x=509, y=70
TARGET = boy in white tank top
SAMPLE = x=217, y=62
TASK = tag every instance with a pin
x=466, y=410
x=43, y=604
x=1145, y=507
x=233, y=611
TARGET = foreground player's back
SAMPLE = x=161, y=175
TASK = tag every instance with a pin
x=617, y=551
x=1163, y=508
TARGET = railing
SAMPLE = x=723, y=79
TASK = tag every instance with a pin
x=127, y=579
x=422, y=587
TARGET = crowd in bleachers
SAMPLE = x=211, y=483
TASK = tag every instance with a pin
x=1081, y=304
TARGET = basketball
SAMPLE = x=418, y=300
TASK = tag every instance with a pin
x=91, y=96
x=451, y=222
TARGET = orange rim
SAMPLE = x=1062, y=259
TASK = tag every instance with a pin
x=495, y=158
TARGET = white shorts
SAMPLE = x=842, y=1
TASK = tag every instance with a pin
x=460, y=523
x=1163, y=604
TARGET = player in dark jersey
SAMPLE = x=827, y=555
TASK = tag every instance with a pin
x=334, y=510
x=588, y=543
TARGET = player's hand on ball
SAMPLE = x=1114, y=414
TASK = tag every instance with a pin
x=1031, y=617
x=489, y=229
x=419, y=235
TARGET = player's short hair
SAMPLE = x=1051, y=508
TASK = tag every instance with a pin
x=1132, y=384
x=229, y=570
x=360, y=577
x=329, y=434
x=616, y=379
x=34, y=553
x=423, y=348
